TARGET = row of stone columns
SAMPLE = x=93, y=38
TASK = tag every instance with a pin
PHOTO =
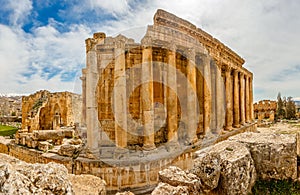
x=239, y=100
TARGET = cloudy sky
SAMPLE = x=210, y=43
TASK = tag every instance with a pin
x=42, y=41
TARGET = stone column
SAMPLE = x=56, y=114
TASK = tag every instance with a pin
x=213, y=118
x=251, y=99
x=83, y=115
x=91, y=102
x=228, y=86
x=242, y=98
x=220, y=94
x=206, y=94
x=172, y=96
x=236, y=103
x=191, y=98
x=120, y=102
x=247, y=103
x=147, y=94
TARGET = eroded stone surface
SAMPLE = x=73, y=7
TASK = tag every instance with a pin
x=177, y=177
x=207, y=168
x=275, y=155
x=87, y=185
x=17, y=177
x=164, y=188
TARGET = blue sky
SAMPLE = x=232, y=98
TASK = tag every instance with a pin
x=42, y=42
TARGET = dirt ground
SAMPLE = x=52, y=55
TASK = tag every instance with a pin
x=285, y=127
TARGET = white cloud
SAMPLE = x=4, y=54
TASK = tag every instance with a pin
x=19, y=10
x=115, y=7
x=264, y=33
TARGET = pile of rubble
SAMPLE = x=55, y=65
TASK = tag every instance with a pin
x=232, y=167
x=18, y=177
x=45, y=140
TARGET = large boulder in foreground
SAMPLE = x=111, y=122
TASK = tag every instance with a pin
x=87, y=184
x=164, y=188
x=237, y=173
x=175, y=177
x=275, y=155
x=18, y=177
x=208, y=169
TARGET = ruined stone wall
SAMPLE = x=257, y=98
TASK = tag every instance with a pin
x=265, y=109
x=140, y=177
x=45, y=110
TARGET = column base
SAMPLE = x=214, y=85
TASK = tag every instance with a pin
x=192, y=141
x=149, y=147
x=237, y=126
x=228, y=128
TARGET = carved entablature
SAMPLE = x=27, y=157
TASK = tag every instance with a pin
x=213, y=45
x=90, y=43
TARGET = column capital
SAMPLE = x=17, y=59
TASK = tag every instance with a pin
x=235, y=72
x=147, y=42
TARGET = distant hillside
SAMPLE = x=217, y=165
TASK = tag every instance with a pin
x=10, y=106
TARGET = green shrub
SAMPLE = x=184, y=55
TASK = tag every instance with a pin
x=276, y=187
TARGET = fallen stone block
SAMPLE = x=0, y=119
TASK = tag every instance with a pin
x=238, y=173
x=44, y=146
x=87, y=184
x=207, y=168
x=68, y=150
x=164, y=188
x=177, y=177
x=274, y=155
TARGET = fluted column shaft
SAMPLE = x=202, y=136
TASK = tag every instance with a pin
x=251, y=99
x=236, y=103
x=91, y=102
x=120, y=102
x=147, y=98
x=172, y=97
x=247, y=99
x=206, y=94
x=191, y=98
x=228, y=86
x=242, y=98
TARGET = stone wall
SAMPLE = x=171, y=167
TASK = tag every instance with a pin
x=45, y=110
x=138, y=175
x=232, y=167
x=265, y=109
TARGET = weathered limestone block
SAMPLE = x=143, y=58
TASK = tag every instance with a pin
x=18, y=177
x=164, y=188
x=44, y=135
x=67, y=150
x=177, y=177
x=207, y=168
x=275, y=155
x=238, y=173
x=75, y=141
x=87, y=184
x=124, y=193
x=44, y=146
x=4, y=145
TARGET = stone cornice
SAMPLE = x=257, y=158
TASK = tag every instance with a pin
x=219, y=51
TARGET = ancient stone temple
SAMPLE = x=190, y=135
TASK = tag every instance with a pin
x=265, y=109
x=151, y=104
x=45, y=111
x=178, y=84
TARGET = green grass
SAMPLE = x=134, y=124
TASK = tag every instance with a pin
x=7, y=130
x=273, y=187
